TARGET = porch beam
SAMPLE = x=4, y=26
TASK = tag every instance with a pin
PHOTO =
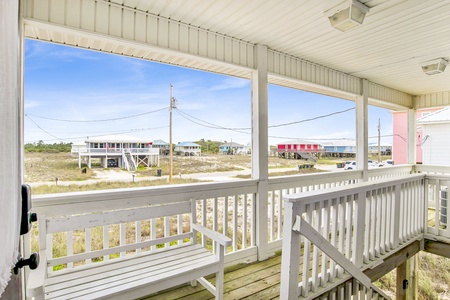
x=393, y=261
x=260, y=145
x=362, y=132
x=411, y=138
x=438, y=248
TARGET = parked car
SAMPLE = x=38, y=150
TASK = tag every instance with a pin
x=112, y=163
x=350, y=165
x=389, y=162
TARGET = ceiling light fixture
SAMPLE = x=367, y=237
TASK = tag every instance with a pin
x=347, y=14
x=435, y=66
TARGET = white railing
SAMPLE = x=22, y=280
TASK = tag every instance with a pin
x=436, y=198
x=134, y=151
x=364, y=222
x=224, y=207
x=229, y=207
x=281, y=186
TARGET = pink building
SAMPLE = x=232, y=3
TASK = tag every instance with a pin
x=400, y=132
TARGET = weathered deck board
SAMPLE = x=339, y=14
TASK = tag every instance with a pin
x=254, y=281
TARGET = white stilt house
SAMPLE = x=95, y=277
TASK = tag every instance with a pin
x=117, y=151
x=385, y=59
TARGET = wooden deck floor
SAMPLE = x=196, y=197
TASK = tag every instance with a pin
x=260, y=280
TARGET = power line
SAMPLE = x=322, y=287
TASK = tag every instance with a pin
x=96, y=135
x=43, y=129
x=271, y=126
x=213, y=126
x=93, y=121
x=312, y=119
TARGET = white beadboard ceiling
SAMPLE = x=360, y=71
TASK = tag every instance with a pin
x=396, y=37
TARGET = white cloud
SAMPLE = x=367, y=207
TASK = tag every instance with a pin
x=230, y=83
x=31, y=103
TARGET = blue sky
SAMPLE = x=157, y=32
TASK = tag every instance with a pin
x=74, y=84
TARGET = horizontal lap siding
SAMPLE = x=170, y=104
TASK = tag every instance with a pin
x=436, y=144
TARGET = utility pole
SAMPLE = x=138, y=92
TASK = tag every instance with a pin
x=173, y=104
x=379, y=141
x=170, y=137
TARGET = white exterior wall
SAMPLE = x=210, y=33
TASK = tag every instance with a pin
x=436, y=145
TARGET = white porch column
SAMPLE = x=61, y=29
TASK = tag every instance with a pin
x=11, y=145
x=362, y=132
x=260, y=145
x=412, y=139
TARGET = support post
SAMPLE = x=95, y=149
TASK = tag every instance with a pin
x=407, y=287
x=411, y=142
x=260, y=145
x=362, y=132
x=290, y=260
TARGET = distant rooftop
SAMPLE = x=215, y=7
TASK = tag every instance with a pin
x=440, y=116
x=116, y=139
x=231, y=144
x=188, y=144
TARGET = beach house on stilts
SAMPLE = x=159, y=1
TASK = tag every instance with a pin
x=121, y=151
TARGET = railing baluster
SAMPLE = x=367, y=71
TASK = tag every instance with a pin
x=153, y=231
x=389, y=221
x=88, y=243
x=326, y=226
x=317, y=222
x=366, y=255
x=69, y=243
x=409, y=208
x=215, y=219
x=359, y=231
x=272, y=216
x=244, y=221
x=396, y=212
x=348, y=226
x=235, y=222
x=334, y=232
x=279, y=201
x=383, y=221
x=225, y=217
x=180, y=227
x=341, y=218
x=123, y=231
x=306, y=255
x=203, y=220
x=167, y=229
x=372, y=221
x=106, y=240
x=137, y=234
x=253, y=222
x=378, y=225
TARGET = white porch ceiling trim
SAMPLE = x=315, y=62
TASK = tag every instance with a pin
x=109, y=27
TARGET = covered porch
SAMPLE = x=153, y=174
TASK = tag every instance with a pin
x=401, y=207
x=290, y=44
